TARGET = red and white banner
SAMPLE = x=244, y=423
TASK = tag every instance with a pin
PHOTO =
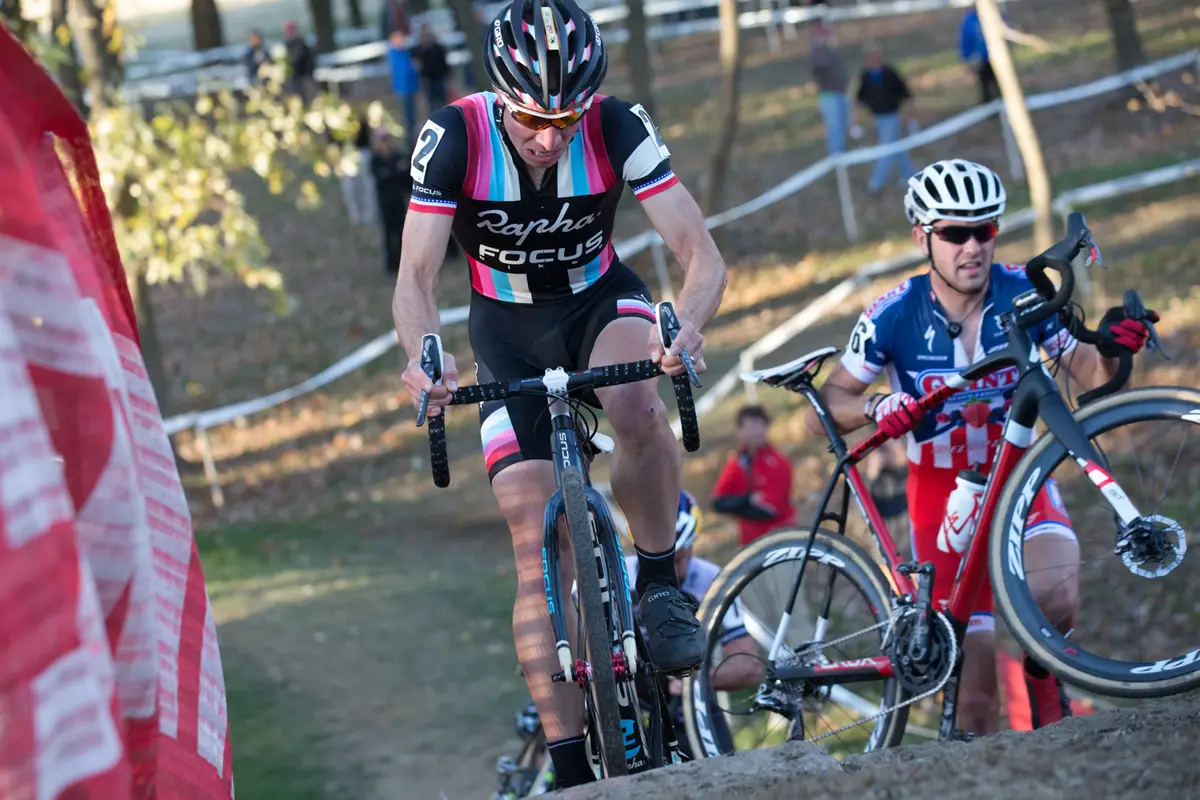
x=110, y=674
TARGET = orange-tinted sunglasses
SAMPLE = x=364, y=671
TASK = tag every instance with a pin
x=539, y=122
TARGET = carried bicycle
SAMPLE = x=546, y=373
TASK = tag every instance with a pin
x=614, y=661
x=913, y=650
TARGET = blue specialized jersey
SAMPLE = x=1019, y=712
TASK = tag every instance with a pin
x=904, y=333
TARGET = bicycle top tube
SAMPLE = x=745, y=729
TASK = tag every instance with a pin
x=558, y=382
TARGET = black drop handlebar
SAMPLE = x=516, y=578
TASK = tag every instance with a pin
x=1079, y=244
x=557, y=383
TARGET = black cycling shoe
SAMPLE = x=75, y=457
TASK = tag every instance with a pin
x=675, y=640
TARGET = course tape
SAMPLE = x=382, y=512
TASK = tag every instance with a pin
x=797, y=182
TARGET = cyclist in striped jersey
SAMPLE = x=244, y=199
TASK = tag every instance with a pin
x=527, y=179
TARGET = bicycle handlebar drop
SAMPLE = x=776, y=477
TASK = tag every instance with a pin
x=556, y=383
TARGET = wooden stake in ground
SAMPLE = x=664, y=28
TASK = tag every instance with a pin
x=1020, y=120
x=729, y=98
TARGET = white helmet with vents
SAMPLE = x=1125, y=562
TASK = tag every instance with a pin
x=957, y=190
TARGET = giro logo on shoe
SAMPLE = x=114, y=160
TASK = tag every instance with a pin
x=657, y=595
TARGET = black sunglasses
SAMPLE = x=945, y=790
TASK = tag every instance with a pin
x=959, y=234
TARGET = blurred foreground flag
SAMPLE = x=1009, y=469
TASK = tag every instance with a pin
x=110, y=675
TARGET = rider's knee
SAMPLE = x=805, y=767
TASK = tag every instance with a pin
x=635, y=412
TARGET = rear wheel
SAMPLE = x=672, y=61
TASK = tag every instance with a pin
x=843, y=592
x=1133, y=583
x=602, y=700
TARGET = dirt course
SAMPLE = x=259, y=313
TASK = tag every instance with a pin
x=1143, y=752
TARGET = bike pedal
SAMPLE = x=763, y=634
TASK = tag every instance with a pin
x=959, y=735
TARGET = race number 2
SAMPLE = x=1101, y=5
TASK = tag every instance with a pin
x=427, y=142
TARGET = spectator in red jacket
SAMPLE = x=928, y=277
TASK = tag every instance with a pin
x=756, y=483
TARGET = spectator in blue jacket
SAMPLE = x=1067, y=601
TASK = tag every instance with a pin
x=973, y=50
x=404, y=81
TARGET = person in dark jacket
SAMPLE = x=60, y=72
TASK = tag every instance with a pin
x=883, y=91
x=829, y=73
x=256, y=56
x=973, y=50
x=393, y=188
x=430, y=56
x=302, y=63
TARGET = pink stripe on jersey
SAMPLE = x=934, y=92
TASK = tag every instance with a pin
x=600, y=173
x=430, y=206
x=481, y=279
x=631, y=307
x=476, y=116
x=607, y=257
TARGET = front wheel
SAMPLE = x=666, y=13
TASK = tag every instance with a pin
x=602, y=701
x=1131, y=582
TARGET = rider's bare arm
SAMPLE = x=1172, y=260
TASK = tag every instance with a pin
x=843, y=395
x=680, y=223
x=414, y=304
x=1088, y=368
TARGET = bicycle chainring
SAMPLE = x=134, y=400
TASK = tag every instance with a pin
x=933, y=670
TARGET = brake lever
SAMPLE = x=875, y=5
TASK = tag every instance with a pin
x=1135, y=310
x=432, y=364
x=668, y=329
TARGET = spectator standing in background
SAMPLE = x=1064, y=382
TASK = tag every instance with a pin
x=972, y=48
x=829, y=73
x=354, y=174
x=404, y=81
x=394, y=17
x=432, y=68
x=393, y=188
x=256, y=56
x=302, y=63
x=755, y=484
x=883, y=91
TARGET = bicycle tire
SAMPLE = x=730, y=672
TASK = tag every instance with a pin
x=598, y=637
x=857, y=567
x=1016, y=605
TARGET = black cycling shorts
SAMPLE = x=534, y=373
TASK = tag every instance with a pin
x=522, y=341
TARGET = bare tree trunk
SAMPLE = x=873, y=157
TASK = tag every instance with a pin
x=356, y=15
x=1126, y=39
x=207, y=32
x=321, y=12
x=728, y=101
x=464, y=17
x=92, y=26
x=1021, y=122
x=637, y=53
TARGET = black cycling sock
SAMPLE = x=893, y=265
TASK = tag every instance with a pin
x=655, y=568
x=571, y=766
